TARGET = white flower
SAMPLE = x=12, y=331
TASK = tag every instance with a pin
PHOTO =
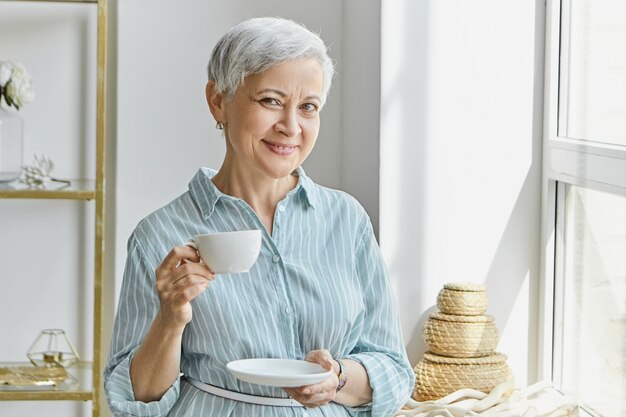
x=18, y=89
x=6, y=69
x=38, y=174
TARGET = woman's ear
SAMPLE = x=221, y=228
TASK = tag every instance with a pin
x=215, y=101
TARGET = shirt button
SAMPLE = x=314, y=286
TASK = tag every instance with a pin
x=281, y=208
x=305, y=414
x=276, y=259
x=288, y=310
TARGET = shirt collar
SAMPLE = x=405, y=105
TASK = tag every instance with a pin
x=206, y=194
x=305, y=183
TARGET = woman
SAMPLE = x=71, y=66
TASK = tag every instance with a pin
x=319, y=289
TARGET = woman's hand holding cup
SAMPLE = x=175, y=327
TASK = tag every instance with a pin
x=180, y=278
x=188, y=270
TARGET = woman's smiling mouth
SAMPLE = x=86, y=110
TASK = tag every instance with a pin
x=280, y=149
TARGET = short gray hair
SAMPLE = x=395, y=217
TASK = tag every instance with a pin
x=257, y=44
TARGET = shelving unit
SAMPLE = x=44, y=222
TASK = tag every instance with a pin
x=87, y=373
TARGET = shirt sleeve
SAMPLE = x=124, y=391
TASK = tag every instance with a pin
x=136, y=310
x=380, y=348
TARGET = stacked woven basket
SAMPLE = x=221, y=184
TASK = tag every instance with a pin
x=462, y=342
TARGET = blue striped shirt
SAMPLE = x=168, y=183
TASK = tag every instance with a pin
x=319, y=283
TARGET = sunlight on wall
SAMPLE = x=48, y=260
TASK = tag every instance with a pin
x=460, y=159
x=402, y=163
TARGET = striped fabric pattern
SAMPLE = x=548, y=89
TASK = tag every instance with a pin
x=319, y=283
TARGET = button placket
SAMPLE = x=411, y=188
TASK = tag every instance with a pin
x=276, y=259
x=279, y=269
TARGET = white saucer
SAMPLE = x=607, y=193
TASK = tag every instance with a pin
x=278, y=372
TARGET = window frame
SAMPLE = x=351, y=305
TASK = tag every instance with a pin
x=566, y=161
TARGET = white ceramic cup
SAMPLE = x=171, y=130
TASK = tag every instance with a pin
x=228, y=252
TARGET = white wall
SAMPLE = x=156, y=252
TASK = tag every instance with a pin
x=360, y=103
x=460, y=160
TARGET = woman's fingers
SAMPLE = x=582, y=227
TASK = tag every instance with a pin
x=191, y=269
x=192, y=291
x=178, y=255
x=322, y=357
x=317, y=394
x=180, y=262
x=179, y=279
x=313, y=395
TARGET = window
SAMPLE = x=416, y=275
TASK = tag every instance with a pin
x=590, y=336
x=593, y=71
x=583, y=340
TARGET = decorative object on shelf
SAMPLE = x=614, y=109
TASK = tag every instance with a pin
x=16, y=89
x=537, y=400
x=460, y=336
x=52, y=348
x=16, y=85
x=437, y=376
x=38, y=174
x=16, y=378
x=462, y=299
x=461, y=341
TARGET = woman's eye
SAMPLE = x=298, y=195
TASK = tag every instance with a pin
x=270, y=101
x=309, y=107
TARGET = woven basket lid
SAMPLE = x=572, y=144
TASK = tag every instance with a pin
x=462, y=303
x=461, y=319
x=495, y=358
x=464, y=286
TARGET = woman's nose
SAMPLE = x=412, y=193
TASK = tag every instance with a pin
x=289, y=125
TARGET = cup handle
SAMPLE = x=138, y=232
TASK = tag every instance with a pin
x=192, y=243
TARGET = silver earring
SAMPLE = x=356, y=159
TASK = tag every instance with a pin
x=219, y=125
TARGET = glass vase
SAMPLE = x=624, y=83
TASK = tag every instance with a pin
x=11, y=145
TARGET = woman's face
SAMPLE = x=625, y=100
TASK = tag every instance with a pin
x=272, y=122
